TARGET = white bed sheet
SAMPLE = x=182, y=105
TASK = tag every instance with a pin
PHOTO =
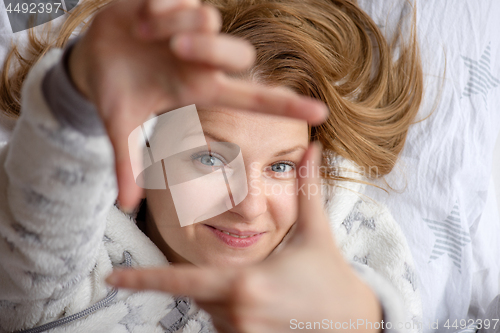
x=448, y=209
x=495, y=172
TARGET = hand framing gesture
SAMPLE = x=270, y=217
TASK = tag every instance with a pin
x=143, y=57
x=307, y=281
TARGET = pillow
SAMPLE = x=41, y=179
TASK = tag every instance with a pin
x=445, y=200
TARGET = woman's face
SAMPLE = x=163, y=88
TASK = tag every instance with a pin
x=272, y=147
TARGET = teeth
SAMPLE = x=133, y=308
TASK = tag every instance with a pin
x=227, y=233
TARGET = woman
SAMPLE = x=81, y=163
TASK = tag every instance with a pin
x=169, y=55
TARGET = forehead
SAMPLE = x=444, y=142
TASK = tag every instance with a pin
x=242, y=127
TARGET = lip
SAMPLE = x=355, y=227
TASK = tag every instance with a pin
x=235, y=241
x=236, y=232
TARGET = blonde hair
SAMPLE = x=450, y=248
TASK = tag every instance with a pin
x=327, y=49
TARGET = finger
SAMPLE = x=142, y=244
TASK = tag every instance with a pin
x=312, y=223
x=222, y=326
x=273, y=100
x=204, y=284
x=283, y=242
x=129, y=193
x=221, y=315
x=192, y=19
x=152, y=8
x=222, y=51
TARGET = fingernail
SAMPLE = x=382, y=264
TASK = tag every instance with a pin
x=128, y=210
x=182, y=44
x=326, y=110
x=158, y=6
x=125, y=209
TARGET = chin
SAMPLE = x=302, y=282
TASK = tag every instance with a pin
x=227, y=260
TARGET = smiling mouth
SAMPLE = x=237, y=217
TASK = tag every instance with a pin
x=230, y=234
x=234, y=235
x=236, y=240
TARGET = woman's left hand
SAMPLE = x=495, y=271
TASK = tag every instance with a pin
x=308, y=281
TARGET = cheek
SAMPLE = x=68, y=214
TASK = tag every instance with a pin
x=162, y=209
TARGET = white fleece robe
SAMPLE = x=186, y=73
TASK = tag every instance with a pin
x=60, y=235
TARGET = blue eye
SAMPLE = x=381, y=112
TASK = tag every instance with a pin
x=282, y=167
x=209, y=159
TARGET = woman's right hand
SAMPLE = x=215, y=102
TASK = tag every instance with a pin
x=143, y=57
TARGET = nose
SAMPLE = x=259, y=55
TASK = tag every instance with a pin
x=254, y=204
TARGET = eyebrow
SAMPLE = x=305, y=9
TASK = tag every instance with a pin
x=289, y=151
x=280, y=153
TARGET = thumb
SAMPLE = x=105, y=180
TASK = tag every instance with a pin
x=206, y=284
x=312, y=223
x=128, y=192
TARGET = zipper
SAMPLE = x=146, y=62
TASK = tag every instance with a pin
x=66, y=320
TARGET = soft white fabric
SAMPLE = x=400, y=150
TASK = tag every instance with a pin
x=366, y=233
x=445, y=167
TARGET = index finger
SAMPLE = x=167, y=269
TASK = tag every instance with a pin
x=279, y=101
x=203, y=284
x=119, y=125
x=312, y=222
